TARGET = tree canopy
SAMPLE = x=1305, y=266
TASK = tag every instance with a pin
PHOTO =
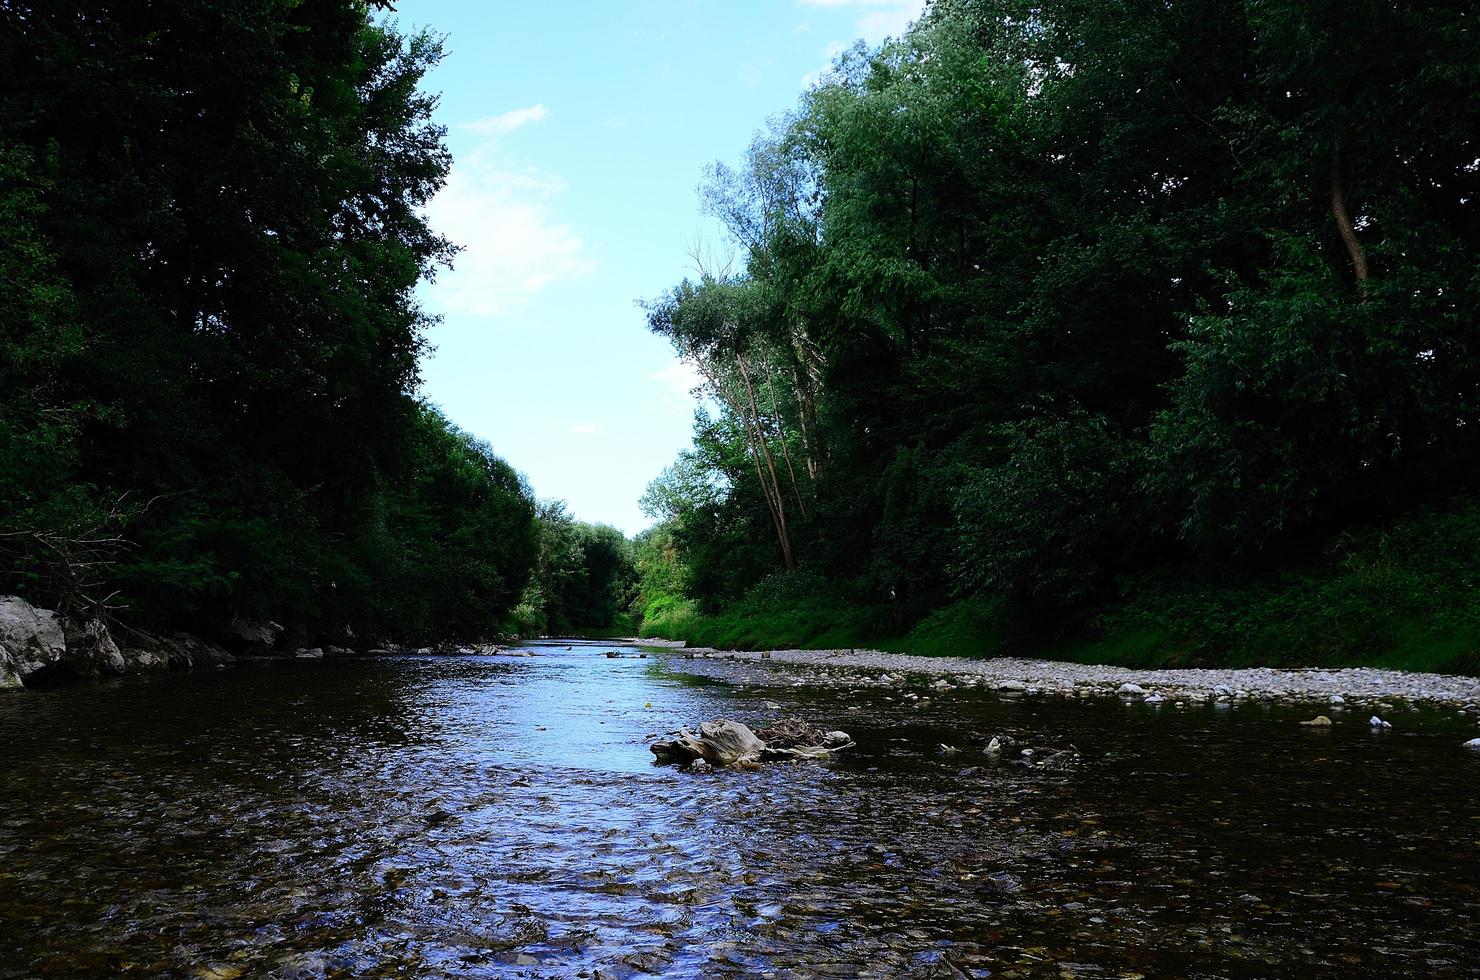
x=213, y=224
x=1044, y=295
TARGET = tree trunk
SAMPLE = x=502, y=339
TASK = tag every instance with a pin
x=775, y=485
x=785, y=449
x=1343, y=217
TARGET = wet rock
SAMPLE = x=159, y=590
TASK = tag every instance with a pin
x=31, y=640
x=720, y=743
x=1473, y=744
x=1376, y=722
x=727, y=743
x=91, y=651
x=138, y=661
x=182, y=652
x=1129, y=690
x=312, y=653
x=1319, y=721
x=1154, y=698
x=253, y=637
x=1012, y=686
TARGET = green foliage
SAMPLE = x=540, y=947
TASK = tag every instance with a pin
x=1405, y=595
x=1059, y=296
x=583, y=579
x=211, y=227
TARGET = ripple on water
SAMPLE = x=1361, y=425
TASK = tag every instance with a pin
x=490, y=816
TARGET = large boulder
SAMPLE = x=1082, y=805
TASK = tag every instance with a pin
x=31, y=641
x=252, y=637
x=177, y=651
x=91, y=651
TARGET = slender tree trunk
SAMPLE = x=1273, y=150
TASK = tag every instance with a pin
x=785, y=449
x=1343, y=217
x=754, y=441
x=804, y=398
x=775, y=485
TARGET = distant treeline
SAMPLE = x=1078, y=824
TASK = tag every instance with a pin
x=210, y=231
x=1051, y=306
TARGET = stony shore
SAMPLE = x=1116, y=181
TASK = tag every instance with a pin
x=1355, y=686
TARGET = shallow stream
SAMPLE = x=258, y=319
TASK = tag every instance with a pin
x=502, y=816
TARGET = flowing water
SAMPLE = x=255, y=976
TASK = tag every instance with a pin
x=502, y=816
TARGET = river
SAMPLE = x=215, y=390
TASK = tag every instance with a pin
x=502, y=816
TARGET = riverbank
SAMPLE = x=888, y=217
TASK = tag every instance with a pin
x=1356, y=687
x=1402, y=596
x=39, y=648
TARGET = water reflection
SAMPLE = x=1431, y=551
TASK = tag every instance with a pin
x=492, y=816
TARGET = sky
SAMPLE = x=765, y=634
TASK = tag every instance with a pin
x=580, y=132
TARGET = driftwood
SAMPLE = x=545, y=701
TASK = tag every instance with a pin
x=726, y=743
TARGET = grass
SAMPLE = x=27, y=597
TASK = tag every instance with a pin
x=1406, y=596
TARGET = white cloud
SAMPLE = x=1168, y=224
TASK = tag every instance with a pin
x=507, y=122
x=513, y=246
x=830, y=51
x=678, y=380
x=877, y=19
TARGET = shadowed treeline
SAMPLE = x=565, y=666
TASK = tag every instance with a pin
x=1146, y=328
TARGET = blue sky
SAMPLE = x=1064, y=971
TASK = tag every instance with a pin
x=580, y=132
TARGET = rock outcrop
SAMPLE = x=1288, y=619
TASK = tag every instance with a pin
x=91, y=651
x=31, y=641
x=37, y=646
x=252, y=637
x=727, y=743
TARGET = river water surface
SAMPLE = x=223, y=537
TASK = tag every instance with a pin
x=502, y=816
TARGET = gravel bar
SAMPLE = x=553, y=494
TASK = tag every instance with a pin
x=874, y=668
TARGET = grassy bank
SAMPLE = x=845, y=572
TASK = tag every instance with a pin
x=1406, y=596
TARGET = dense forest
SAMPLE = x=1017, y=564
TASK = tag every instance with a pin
x=1137, y=330
x=212, y=223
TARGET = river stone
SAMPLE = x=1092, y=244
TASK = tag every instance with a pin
x=1130, y=690
x=1319, y=721
x=31, y=639
x=1012, y=686
x=1473, y=744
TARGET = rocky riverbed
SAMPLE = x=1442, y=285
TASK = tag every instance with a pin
x=1356, y=687
x=496, y=815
